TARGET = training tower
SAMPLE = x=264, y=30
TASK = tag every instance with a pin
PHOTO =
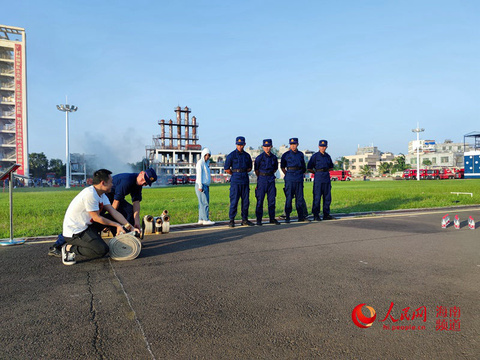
x=472, y=157
x=175, y=151
x=13, y=100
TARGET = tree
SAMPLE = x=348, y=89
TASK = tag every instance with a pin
x=427, y=162
x=38, y=163
x=385, y=168
x=365, y=170
x=342, y=163
x=136, y=167
x=338, y=164
x=57, y=166
x=399, y=163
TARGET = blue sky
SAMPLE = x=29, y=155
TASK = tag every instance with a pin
x=352, y=72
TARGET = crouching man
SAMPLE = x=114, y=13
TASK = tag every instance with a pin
x=83, y=223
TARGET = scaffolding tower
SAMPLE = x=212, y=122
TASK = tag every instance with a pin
x=176, y=150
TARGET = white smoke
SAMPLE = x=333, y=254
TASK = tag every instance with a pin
x=115, y=151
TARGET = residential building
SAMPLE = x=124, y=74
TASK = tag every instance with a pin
x=437, y=155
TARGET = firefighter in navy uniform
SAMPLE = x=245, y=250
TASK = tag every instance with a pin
x=320, y=164
x=266, y=165
x=293, y=166
x=238, y=164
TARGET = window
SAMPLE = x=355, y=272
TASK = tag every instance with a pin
x=354, y=161
x=413, y=161
x=434, y=160
x=360, y=160
x=444, y=159
x=354, y=167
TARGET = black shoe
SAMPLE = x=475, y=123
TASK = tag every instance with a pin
x=317, y=218
x=54, y=251
x=231, y=223
x=328, y=217
x=247, y=222
x=259, y=222
x=303, y=220
x=274, y=221
x=287, y=220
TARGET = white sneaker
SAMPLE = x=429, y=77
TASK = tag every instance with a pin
x=208, y=222
x=200, y=222
x=68, y=257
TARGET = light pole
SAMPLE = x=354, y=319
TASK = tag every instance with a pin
x=418, y=130
x=67, y=109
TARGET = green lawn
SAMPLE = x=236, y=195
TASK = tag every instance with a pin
x=39, y=212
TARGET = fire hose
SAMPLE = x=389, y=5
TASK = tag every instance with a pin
x=124, y=247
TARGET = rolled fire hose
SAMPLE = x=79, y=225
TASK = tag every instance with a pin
x=148, y=225
x=158, y=225
x=166, y=222
x=124, y=247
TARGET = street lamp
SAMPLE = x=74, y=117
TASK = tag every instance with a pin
x=418, y=130
x=67, y=109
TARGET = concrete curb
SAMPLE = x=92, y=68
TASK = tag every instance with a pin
x=179, y=227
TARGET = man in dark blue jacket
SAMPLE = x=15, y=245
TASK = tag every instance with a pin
x=293, y=166
x=238, y=164
x=266, y=165
x=320, y=164
x=130, y=184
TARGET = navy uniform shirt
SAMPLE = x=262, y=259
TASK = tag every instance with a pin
x=321, y=161
x=265, y=164
x=237, y=160
x=123, y=185
x=293, y=159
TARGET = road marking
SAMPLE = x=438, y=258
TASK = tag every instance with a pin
x=134, y=313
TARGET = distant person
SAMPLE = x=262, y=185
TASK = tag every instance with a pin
x=238, y=164
x=123, y=185
x=321, y=164
x=83, y=221
x=266, y=165
x=202, y=187
x=293, y=166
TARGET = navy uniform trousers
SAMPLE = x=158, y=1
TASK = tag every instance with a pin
x=295, y=189
x=265, y=186
x=124, y=208
x=237, y=192
x=321, y=189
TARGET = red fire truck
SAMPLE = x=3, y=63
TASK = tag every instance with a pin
x=446, y=173
x=411, y=174
x=340, y=175
x=459, y=173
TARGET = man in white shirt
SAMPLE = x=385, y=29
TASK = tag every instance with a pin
x=82, y=223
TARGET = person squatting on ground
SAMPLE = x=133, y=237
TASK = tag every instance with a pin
x=202, y=187
x=83, y=223
x=266, y=165
x=238, y=164
x=123, y=185
x=293, y=166
x=130, y=184
x=320, y=164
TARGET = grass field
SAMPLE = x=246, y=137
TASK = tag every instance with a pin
x=39, y=212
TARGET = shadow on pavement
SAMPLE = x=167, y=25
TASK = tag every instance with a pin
x=175, y=243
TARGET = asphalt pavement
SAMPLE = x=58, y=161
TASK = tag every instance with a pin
x=270, y=292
